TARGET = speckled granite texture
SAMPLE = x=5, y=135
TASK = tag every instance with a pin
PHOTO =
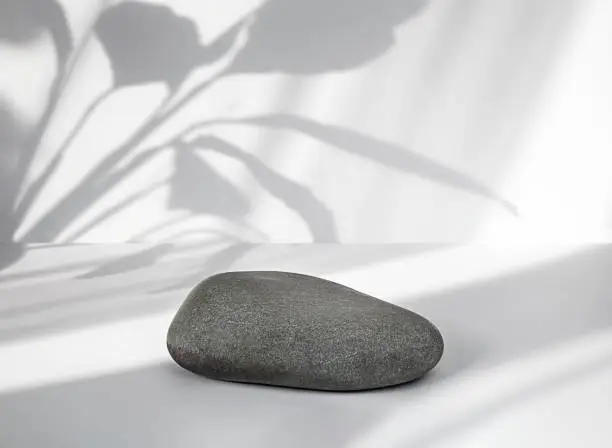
x=294, y=330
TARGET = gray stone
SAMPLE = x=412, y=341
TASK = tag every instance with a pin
x=294, y=330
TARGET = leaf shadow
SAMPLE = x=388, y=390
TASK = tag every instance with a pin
x=318, y=36
x=12, y=133
x=315, y=214
x=391, y=155
x=24, y=20
x=197, y=187
x=146, y=42
x=128, y=71
x=150, y=43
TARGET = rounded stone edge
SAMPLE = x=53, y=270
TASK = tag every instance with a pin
x=172, y=350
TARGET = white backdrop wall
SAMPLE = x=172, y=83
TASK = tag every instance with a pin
x=299, y=121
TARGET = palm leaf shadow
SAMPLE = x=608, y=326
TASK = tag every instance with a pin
x=21, y=22
x=12, y=134
x=126, y=32
x=317, y=216
x=105, y=174
x=111, y=212
x=32, y=17
x=116, y=177
x=146, y=42
x=221, y=198
x=36, y=187
x=321, y=36
x=388, y=154
x=129, y=30
x=25, y=20
x=197, y=187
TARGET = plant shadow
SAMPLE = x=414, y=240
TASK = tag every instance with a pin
x=147, y=43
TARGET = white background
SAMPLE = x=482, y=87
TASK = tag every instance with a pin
x=351, y=121
x=386, y=122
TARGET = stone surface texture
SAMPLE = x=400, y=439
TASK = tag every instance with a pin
x=295, y=330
